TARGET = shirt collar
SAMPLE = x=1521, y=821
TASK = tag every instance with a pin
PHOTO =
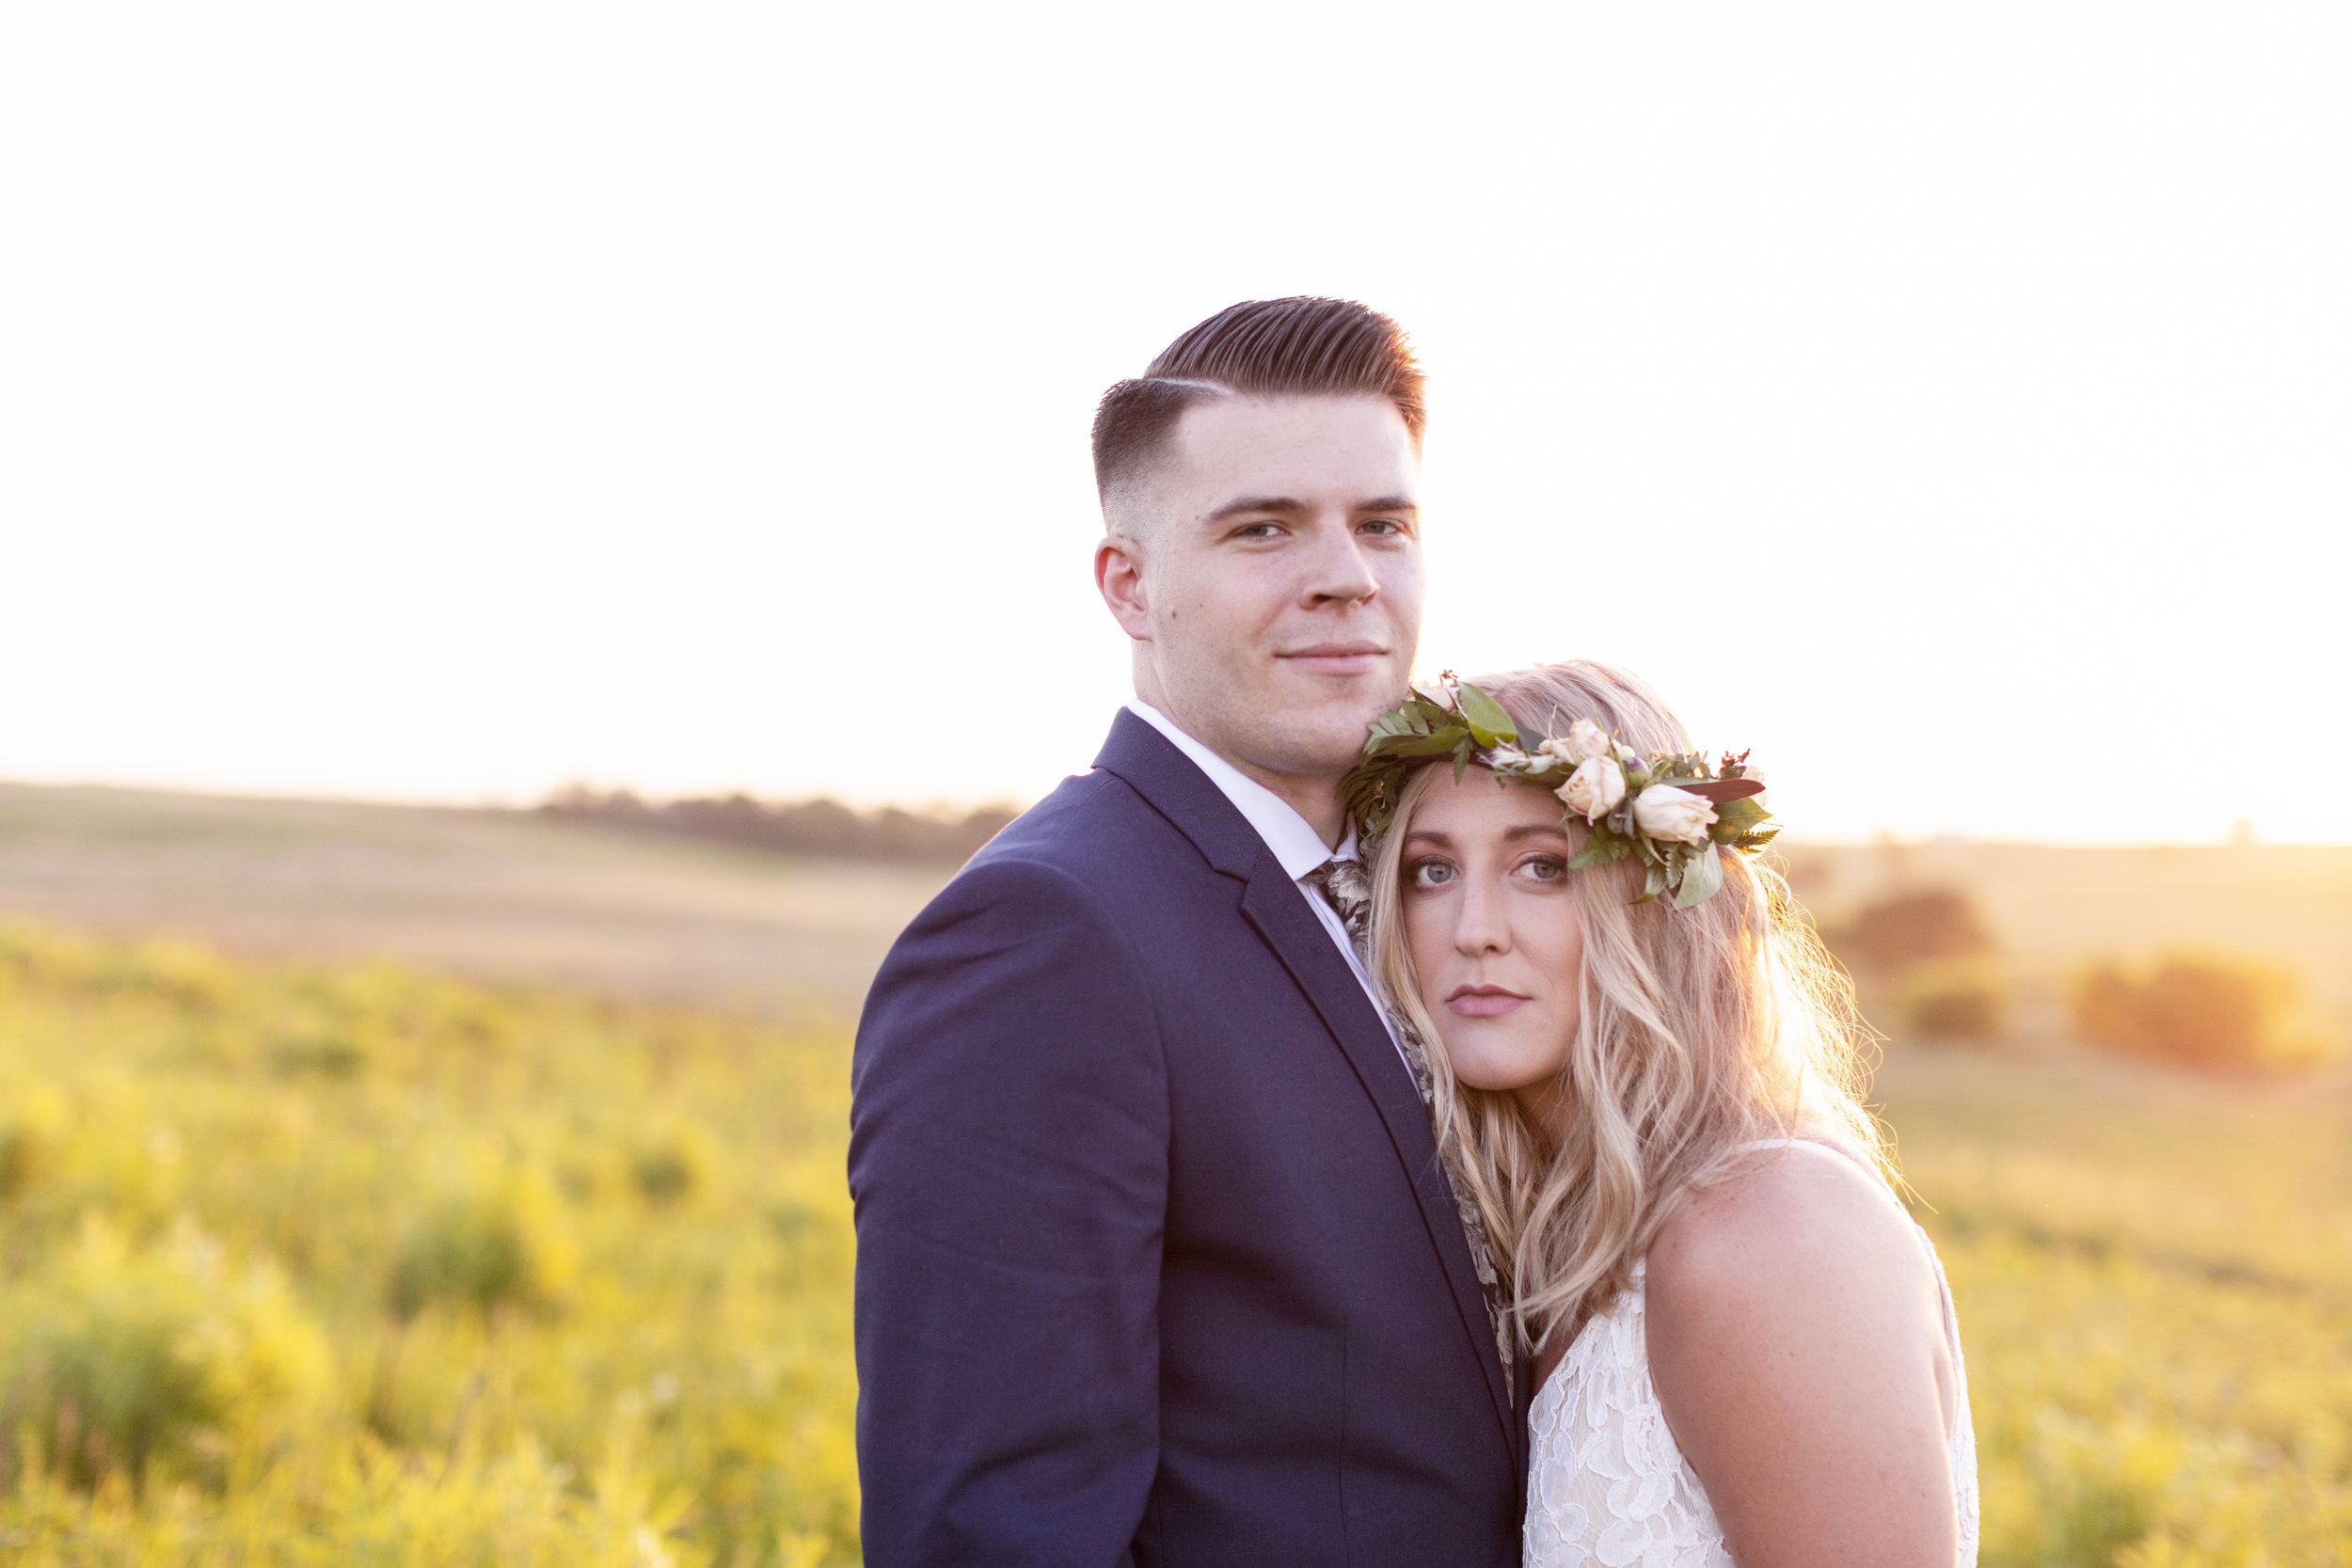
x=1296, y=845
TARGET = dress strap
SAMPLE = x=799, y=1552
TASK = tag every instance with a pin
x=1838, y=1150
x=1804, y=1140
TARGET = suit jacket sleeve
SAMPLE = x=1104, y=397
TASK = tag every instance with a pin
x=1008, y=1161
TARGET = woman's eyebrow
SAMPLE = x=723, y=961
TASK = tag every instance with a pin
x=1536, y=829
x=1423, y=835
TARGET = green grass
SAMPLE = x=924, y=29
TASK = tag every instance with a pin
x=351, y=1264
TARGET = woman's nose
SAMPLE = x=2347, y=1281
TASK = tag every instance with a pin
x=1481, y=925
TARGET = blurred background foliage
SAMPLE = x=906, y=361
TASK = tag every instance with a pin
x=2216, y=1011
x=1929, y=959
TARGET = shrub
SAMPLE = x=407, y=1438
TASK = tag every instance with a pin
x=2196, y=1011
x=503, y=1246
x=1894, y=933
x=28, y=1139
x=329, y=1055
x=1960, y=999
x=667, y=1168
x=131, y=1356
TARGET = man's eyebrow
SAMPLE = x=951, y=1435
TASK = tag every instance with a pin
x=1288, y=503
x=1256, y=503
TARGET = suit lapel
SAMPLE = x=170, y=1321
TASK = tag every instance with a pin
x=1274, y=905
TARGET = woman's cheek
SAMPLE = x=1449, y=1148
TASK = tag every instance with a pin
x=1426, y=947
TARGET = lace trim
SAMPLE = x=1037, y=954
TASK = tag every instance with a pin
x=1607, y=1484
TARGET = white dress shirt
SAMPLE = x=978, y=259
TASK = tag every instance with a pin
x=1297, y=845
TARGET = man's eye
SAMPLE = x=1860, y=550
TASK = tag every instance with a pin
x=1382, y=524
x=1257, y=531
x=1429, y=873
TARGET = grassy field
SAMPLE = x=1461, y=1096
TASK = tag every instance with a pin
x=342, y=1263
x=327, y=1259
x=2154, y=1281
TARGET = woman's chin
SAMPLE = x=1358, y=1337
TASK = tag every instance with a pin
x=1504, y=1054
x=1473, y=1072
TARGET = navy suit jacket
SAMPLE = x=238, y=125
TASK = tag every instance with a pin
x=1156, y=1261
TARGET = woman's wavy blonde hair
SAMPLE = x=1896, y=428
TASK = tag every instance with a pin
x=1699, y=1030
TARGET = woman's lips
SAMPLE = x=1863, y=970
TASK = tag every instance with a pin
x=1484, y=1002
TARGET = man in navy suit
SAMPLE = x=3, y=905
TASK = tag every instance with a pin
x=1156, y=1263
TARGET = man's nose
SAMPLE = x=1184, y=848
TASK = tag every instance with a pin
x=1338, y=570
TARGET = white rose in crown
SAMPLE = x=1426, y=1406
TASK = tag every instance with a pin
x=1583, y=743
x=1662, y=810
x=1506, y=756
x=1593, y=789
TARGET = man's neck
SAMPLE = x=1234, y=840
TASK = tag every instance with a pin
x=1314, y=797
x=1317, y=799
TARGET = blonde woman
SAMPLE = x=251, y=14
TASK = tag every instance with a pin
x=1745, y=1349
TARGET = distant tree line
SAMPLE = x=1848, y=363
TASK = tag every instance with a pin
x=818, y=826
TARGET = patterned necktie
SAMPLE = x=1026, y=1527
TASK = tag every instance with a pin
x=1347, y=888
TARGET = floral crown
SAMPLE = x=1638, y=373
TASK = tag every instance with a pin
x=1669, y=807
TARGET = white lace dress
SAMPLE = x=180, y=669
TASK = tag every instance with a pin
x=1606, y=1484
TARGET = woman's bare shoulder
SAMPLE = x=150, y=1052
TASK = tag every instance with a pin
x=1784, y=1224
x=1796, y=1340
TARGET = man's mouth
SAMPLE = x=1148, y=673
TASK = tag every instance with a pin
x=1483, y=1001
x=1338, y=658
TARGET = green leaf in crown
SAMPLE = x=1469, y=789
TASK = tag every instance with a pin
x=1489, y=724
x=1673, y=809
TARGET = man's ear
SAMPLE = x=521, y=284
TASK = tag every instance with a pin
x=1119, y=576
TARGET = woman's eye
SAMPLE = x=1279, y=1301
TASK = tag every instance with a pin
x=1429, y=873
x=1545, y=868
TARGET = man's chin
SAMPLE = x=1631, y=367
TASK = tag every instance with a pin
x=1349, y=702
x=1328, y=736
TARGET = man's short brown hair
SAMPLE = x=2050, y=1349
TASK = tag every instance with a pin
x=1299, y=347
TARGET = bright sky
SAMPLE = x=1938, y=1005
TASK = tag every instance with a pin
x=445, y=402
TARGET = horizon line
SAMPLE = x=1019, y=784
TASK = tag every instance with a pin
x=965, y=806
